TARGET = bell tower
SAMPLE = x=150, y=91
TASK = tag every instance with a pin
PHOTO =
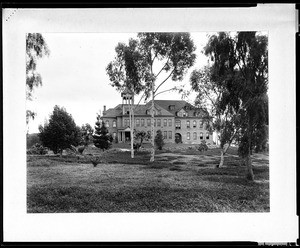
x=127, y=99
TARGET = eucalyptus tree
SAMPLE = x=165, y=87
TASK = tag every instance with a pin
x=36, y=48
x=240, y=69
x=209, y=97
x=156, y=58
x=126, y=73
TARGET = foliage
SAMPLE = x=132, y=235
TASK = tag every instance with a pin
x=139, y=138
x=37, y=149
x=86, y=134
x=159, y=140
x=102, y=139
x=36, y=48
x=240, y=70
x=203, y=146
x=32, y=139
x=60, y=132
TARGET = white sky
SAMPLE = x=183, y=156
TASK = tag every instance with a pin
x=74, y=75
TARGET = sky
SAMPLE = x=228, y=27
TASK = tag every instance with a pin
x=74, y=76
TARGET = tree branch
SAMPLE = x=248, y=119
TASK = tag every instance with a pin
x=164, y=91
x=162, y=68
x=164, y=81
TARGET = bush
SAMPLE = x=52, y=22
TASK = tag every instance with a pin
x=37, y=149
x=203, y=147
x=159, y=140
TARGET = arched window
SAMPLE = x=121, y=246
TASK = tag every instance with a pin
x=107, y=123
x=114, y=124
x=207, y=135
x=201, y=124
x=158, y=122
x=194, y=135
x=188, y=136
x=188, y=124
x=178, y=124
x=201, y=135
x=194, y=124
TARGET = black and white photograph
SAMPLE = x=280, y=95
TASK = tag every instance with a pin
x=147, y=129
x=147, y=122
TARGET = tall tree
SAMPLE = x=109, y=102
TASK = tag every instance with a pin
x=125, y=73
x=101, y=138
x=240, y=66
x=36, y=48
x=60, y=132
x=156, y=58
x=221, y=119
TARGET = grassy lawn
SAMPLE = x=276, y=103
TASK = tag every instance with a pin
x=176, y=182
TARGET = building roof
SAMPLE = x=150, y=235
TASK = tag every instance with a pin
x=162, y=105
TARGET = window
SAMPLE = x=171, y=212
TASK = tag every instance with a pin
x=194, y=124
x=188, y=136
x=148, y=122
x=165, y=134
x=114, y=135
x=201, y=136
x=194, y=135
x=137, y=122
x=178, y=124
x=114, y=123
x=170, y=134
x=158, y=122
x=107, y=123
x=188, y=124
x=170, y=122
x=142, y=122
x=126, y=122
x=147, y=112
x=201, y=124
x=172, y=107
x=207, y=135
x=165, y=122
x=155, y=122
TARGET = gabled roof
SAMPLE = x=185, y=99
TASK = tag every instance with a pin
x=178, y=104
x=113, y=112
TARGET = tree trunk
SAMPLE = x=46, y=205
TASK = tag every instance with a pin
x=152, y=126
x=221, y=159
x=131, y=119
x=248, y=162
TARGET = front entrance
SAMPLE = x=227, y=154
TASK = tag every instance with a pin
x=127, y=136
x=178, y=138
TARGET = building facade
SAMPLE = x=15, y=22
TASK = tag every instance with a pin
x=179, y=121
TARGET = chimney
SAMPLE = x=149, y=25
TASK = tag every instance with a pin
x=104, y=110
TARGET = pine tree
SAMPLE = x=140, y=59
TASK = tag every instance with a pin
x=102, y=139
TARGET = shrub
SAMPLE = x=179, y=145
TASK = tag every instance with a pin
x=159, y=140
x=203, y=147
x=37, y=149
x=60, y=132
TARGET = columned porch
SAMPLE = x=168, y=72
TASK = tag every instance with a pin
x=124, y=135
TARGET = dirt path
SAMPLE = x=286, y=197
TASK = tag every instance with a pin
x=185, y=159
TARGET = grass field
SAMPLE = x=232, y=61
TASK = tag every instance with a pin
x=176, y=182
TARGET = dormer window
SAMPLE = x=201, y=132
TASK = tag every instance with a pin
x=171, y=107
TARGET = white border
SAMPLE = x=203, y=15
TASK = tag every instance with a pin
x=280, y=225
